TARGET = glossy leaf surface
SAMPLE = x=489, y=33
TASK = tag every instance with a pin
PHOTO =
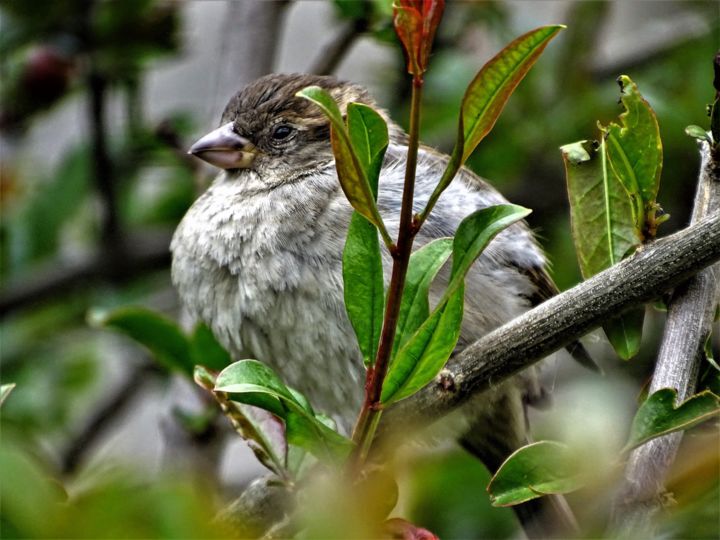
x=658, y=415
x=253, y=383
x=541, y=468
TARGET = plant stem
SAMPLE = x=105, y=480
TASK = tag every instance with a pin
x=367, y=422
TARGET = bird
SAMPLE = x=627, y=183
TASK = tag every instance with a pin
x=258, y=256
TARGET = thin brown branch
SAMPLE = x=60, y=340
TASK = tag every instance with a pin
x=105, y=415
x=564, y=318
x=690, y=317
x=335, y=51
x=136, y=256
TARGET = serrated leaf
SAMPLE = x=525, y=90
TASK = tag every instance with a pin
x=603, y=229
x=659, y=416
x=162, y=336
x=601, y=216
x=5, y=390
x=363, y=281
x=206, y=351
x=415, y=306
x=541, y=468
x=424, y=354
x=352, y=176
x=253, y=383
x=634, y=151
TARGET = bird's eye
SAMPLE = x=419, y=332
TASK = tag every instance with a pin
x=281, y=132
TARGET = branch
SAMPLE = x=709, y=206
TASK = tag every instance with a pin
x=103, y=417
x=690, y=317
x=251, y=35
x=132, y=258
x=562, y=319
x=335, y=51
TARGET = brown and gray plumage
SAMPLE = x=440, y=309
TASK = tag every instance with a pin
x=258, y=256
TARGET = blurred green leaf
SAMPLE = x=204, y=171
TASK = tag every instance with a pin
x=163, y=337
x=696, y=132
x=362, y=265
x=426, y=351
x=603, y=230
x=634, y=151
x=415, y=306
x=538, y=469
x=5, y=390
x=30, y=501
x=206, y=351
x=246, y=380
x=352, y=176
x=658, y=415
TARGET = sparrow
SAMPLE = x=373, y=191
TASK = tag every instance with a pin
x=258, y=256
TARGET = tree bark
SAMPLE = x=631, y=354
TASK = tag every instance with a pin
x=690, y=316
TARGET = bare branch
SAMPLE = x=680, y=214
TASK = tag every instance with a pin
x=132, y=258
x=563, y=319
x=105, y=415
x=690, y=317
x=335, y=51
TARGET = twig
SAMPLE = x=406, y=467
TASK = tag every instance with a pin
x=690, y=316
x=99, y=422
x=335, y=51
x=251, y=35
x=136, y=256
x=561, y=320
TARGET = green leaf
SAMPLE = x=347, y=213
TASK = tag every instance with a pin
x=424, y=354
x=486, y=96
x=603, y=230
x=541, y=468
x=625, y=332
x=352, y=176
x=475, y=233
x=601, y=216
x=369, y=138
x=5, y=390
x=159, y=334
x=253, y=383
x=415, y=306
x=658, y=415
x=491, y=88
x=362, y=264
x=206, y=351
x=696, y=132
x=634, y=150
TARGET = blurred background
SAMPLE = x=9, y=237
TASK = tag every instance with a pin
x=99, y=101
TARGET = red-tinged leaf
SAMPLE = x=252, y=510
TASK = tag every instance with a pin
x=415, y=22
x=397, y=528
x=491, y=88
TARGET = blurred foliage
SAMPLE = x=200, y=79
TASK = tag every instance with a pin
x=62, y=368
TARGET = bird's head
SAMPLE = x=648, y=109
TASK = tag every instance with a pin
x=266, y=127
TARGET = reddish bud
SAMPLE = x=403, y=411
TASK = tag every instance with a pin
x=415, y=22
x=399, y=529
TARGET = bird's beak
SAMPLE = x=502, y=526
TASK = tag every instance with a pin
x=225, y=149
